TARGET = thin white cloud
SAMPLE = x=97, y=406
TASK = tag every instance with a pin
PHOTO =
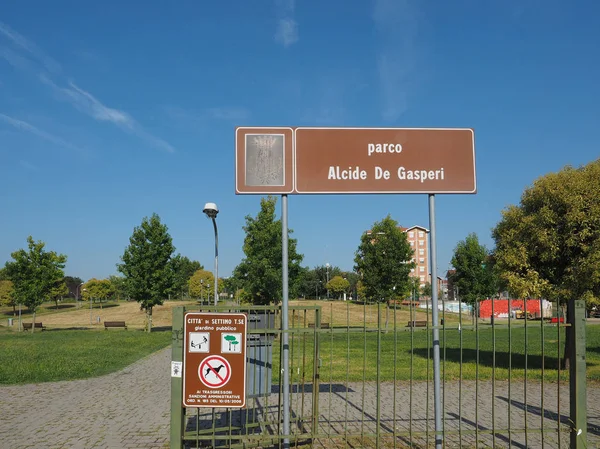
x=90, y=105
x=26, y=56
x=24, y=126
x=287, y=27
x=20, y=41
x=14, y=59
x=396, y=23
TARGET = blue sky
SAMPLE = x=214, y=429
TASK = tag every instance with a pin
x=110, y=111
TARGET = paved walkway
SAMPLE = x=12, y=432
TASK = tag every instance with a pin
x=131, y=408
x=127, y=409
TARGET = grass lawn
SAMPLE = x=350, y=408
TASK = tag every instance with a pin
x=405, y=355
x=72, y=354
x=347, y=352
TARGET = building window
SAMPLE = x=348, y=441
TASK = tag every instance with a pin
x=411, y=235
x=421, y=234
x=412, y=270
x=421, y=252
x=422, y=278
x=422, y=260
x=421, y=242
x=422, y=269
x=412, y=243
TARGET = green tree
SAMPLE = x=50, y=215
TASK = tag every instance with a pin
x=473, y=275
x=97, y=289
x=34, y=272
x=74, y=285
x=4, y=275
x=118, y=287
x=426, y=290
x=183, y=270
x=260, y=272
x=338, y=285
x=7, y=297
x=549, y=245
x=59, y=291
x=146, y=265
x=202, y=285
x=383, y=260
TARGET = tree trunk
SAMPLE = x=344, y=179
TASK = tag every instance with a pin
x=33, y=324
x=149, y=313
x=566, y=362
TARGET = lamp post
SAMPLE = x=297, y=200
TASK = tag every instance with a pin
x=91, y=319
x=202, y=290
x=211, y=210
x=77, y=294
x=327, y=269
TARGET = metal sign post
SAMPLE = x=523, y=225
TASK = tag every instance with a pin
x=437, y=398
x=285, y=369
x=284, y=160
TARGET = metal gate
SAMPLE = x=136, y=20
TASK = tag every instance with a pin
x=361, y=377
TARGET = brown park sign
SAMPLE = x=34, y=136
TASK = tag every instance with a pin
x=214, y=360
x=355, y=160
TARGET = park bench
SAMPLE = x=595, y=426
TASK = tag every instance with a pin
x=323, y=325
x=114, y=324
x=417, y=323
x=27, y=326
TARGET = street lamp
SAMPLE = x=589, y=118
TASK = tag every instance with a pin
x=77, y=294
x=327, y=269
x=202, y=290
x=91, y=319
x=211, y=210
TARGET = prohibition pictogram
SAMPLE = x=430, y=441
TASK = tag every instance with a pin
x=214, y=371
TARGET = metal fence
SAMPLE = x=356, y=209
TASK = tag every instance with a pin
x=361, y=377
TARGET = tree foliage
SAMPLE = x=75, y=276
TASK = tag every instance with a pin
x=146, y=265
x=183, y=270
x=59, y=291
x=549, y=245
x=202, y=284
x=426, y=290
x=73, y=285
x=97, y=290
x=338, y=286
x=473, y=274
x=7, y=297
x=260, y=272
x=383, y=260
x=34, y=273
x=118, y=287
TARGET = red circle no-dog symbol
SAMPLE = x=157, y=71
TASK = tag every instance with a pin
x=214, y=371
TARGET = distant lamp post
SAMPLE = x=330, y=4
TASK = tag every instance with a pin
x=202, y=290
x=91, y=318
x=327, y=269
x=211, y=210
x=77, y=297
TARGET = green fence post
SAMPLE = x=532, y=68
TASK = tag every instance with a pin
x=177, y=409
x=577, y=383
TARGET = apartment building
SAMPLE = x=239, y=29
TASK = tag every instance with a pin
x=417, y=237
x=418, y=240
